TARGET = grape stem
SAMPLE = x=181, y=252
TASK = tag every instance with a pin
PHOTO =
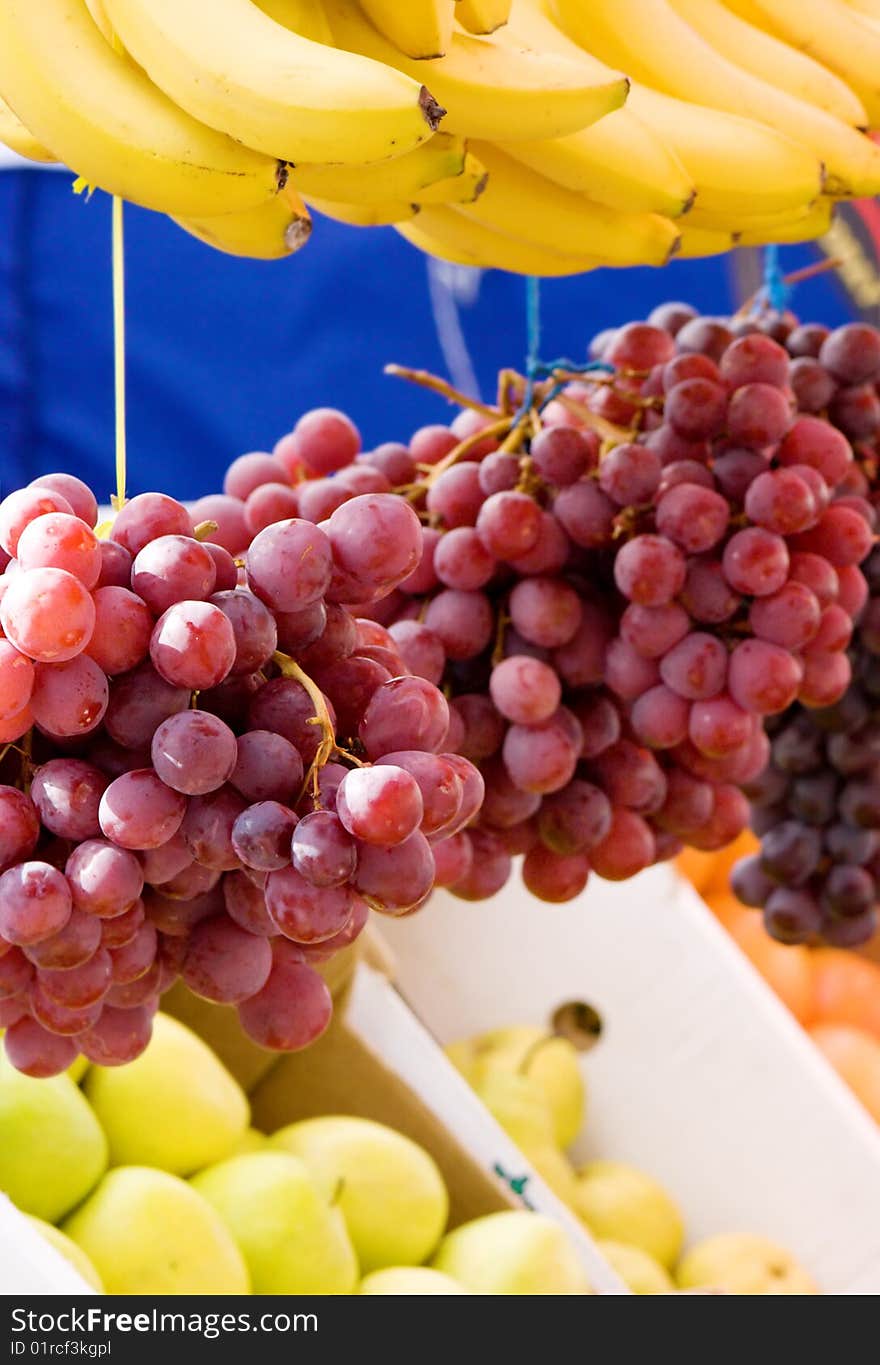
x=291, y=669
x=205, y=530
x=431, y=381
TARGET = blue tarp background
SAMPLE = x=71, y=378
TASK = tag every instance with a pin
x=223, y=354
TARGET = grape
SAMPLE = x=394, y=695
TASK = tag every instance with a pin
x=816, y=574
x=718, y=726
x=638, y=346
x=25, y=505
x=261, y=836
x=758, y=415
x=561, y=455
x=489, y=867
x=146, y=518
x=707, y=595
x=628, y=847
x=269, y=503
x=574, y=819
x=442, y=780
x=224, y=963
x=652, y=631
x=69, y=946
x=323, y=851
x=48, y=615
x=35, y=903
x=176, y=918
x=172, y=569
x=303, y=912
x=82, y=500
x=736, y=470
x=852, y=353
x=599, y=720
x=694, y=518
x=16, y=681
x=379, y=805
x=813, y=386
x=542, y=758
x=393, y=460
x=462, y=559
x=348, y=685
x=193, y=645
x=851, y=933
x=292, y=1009
x=420, y=648
x=67, y=793
x=61, y=541
x=191, y=881
x=61, y=1019
x=791, y=916
x=755, y=561
x=508, y=524
x=545, y=611
x=208, y=824
x=814, y=442
x=813, y=799
x=841, y=536
x=762, y=677
x=687, y=806
x=629, y=474
x=755, y=359
x=696, y=667
x=430, y=444
x=251, y=471
x=631, y=777
x=326, y=440
x=117, y=932
x=550, y=552
x=227, y=514
x=225, y=571
x=834, y=632
x=395, y=879
x=586, y=514
x=660, y=718
x=789, y=618
x=505, y=805
x=246, y=904
x=104, y=880
x=78, y=987
x=376, y=539
x=119, y=1036
x=268, y=767
x=404, y=713
x=19, y=827
x=696, y=408
x=780, y=501
x=138, y=811
x=790, y=853
x=483, y=726
x=555, y=877
x=16, y=972
x=453, y=859
x=825, y=678
x=649, y=570
x=194, y=752
x=525, y=690
x=687, y=366
x=69, y=698
x=35, y=1051
x=123, y=625
x=462, y=621
x=139, y=703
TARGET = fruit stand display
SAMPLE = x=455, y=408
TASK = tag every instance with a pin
x=444, y=711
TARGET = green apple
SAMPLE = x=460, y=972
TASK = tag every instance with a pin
x=293, y=1240
x=512, y=1253
x=551, y=1062
x=519, y=1104
x=389, y=1190
x=622, y=1204
x=639, y=1271
x=410, y=1279
x=743, y=1264
x=70, y=1251
x=52, y=1148
x=175, y=1107
x=148, y=1232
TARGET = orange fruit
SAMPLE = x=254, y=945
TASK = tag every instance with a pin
x=787, y=970
x=846, y=990
x=710, y=872
x=855, y=1056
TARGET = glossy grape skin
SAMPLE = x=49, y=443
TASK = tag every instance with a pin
x=224, y=963
x=48, y=615
x=35, y=903
x=292, y=1009
x=194, y=752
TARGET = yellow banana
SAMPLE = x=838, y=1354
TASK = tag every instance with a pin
x=16, y=137
x=465, y=188
x=697, y=242
x=772, y=60
x=833, y=33
x=99, y=14
x=805, y=228
x=492, y=88
x=471, y=243
x=101, y=115
x=228, y=64
x=654, y=151
x=522, y=204
x=305, y=17
x=420, y=28
x=269, y=232
x=657, y=47
x=870, y=8
x=749, y=222
x=364, y=215
x=404, y=178
x=482, y=16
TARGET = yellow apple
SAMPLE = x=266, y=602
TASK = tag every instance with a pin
x=175, y=1107
x=52, y=1148
x=639, y=1271
x=743, y=1264
x=512, y=1253
x=389, y=1190
x=147, y=1232
x=293, y=1240
x=251, y=1140
x=622, y=1204
x=409, y=1279
x=551, y=1062
x=70, y=1251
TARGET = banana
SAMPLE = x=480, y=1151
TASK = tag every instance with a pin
x=652, y=154
x=482, y=16
x=836, y=34
x=420, y=28
x=527, y=206
x=655, y=45
x=101, y=115
x=772, y=60
x=228, y=64
x=364, y=215
x=870, y=8
x=446, y=233
x=440, y=157
x=16, y=137
x=268, y=232
x=492, y=88
x=749, y=222
x=465, y=188
x=305, y=17
x=99, y=14
x=697, y=242
x=801, y=229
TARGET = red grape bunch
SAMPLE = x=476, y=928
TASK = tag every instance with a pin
x=213, y=769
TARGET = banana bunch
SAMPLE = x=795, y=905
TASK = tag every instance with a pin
x=541, y=136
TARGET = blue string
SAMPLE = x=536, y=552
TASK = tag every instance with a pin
x=774, y=291
x=544, y=369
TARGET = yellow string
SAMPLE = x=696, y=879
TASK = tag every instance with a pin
x=119, y=348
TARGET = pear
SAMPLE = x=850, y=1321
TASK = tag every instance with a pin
x=148, y=1232
x=515, y=1252
x=639, y=1271
x=743, y=1264
x=519, y=1104
x=389, y=1190
x=621, y=1204
x=409, y=1279
x=52, y=1148
x=251, y=1140
x=71, y=1252
x=293, y=1240
x=551, y=1062
x=175, y=1107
